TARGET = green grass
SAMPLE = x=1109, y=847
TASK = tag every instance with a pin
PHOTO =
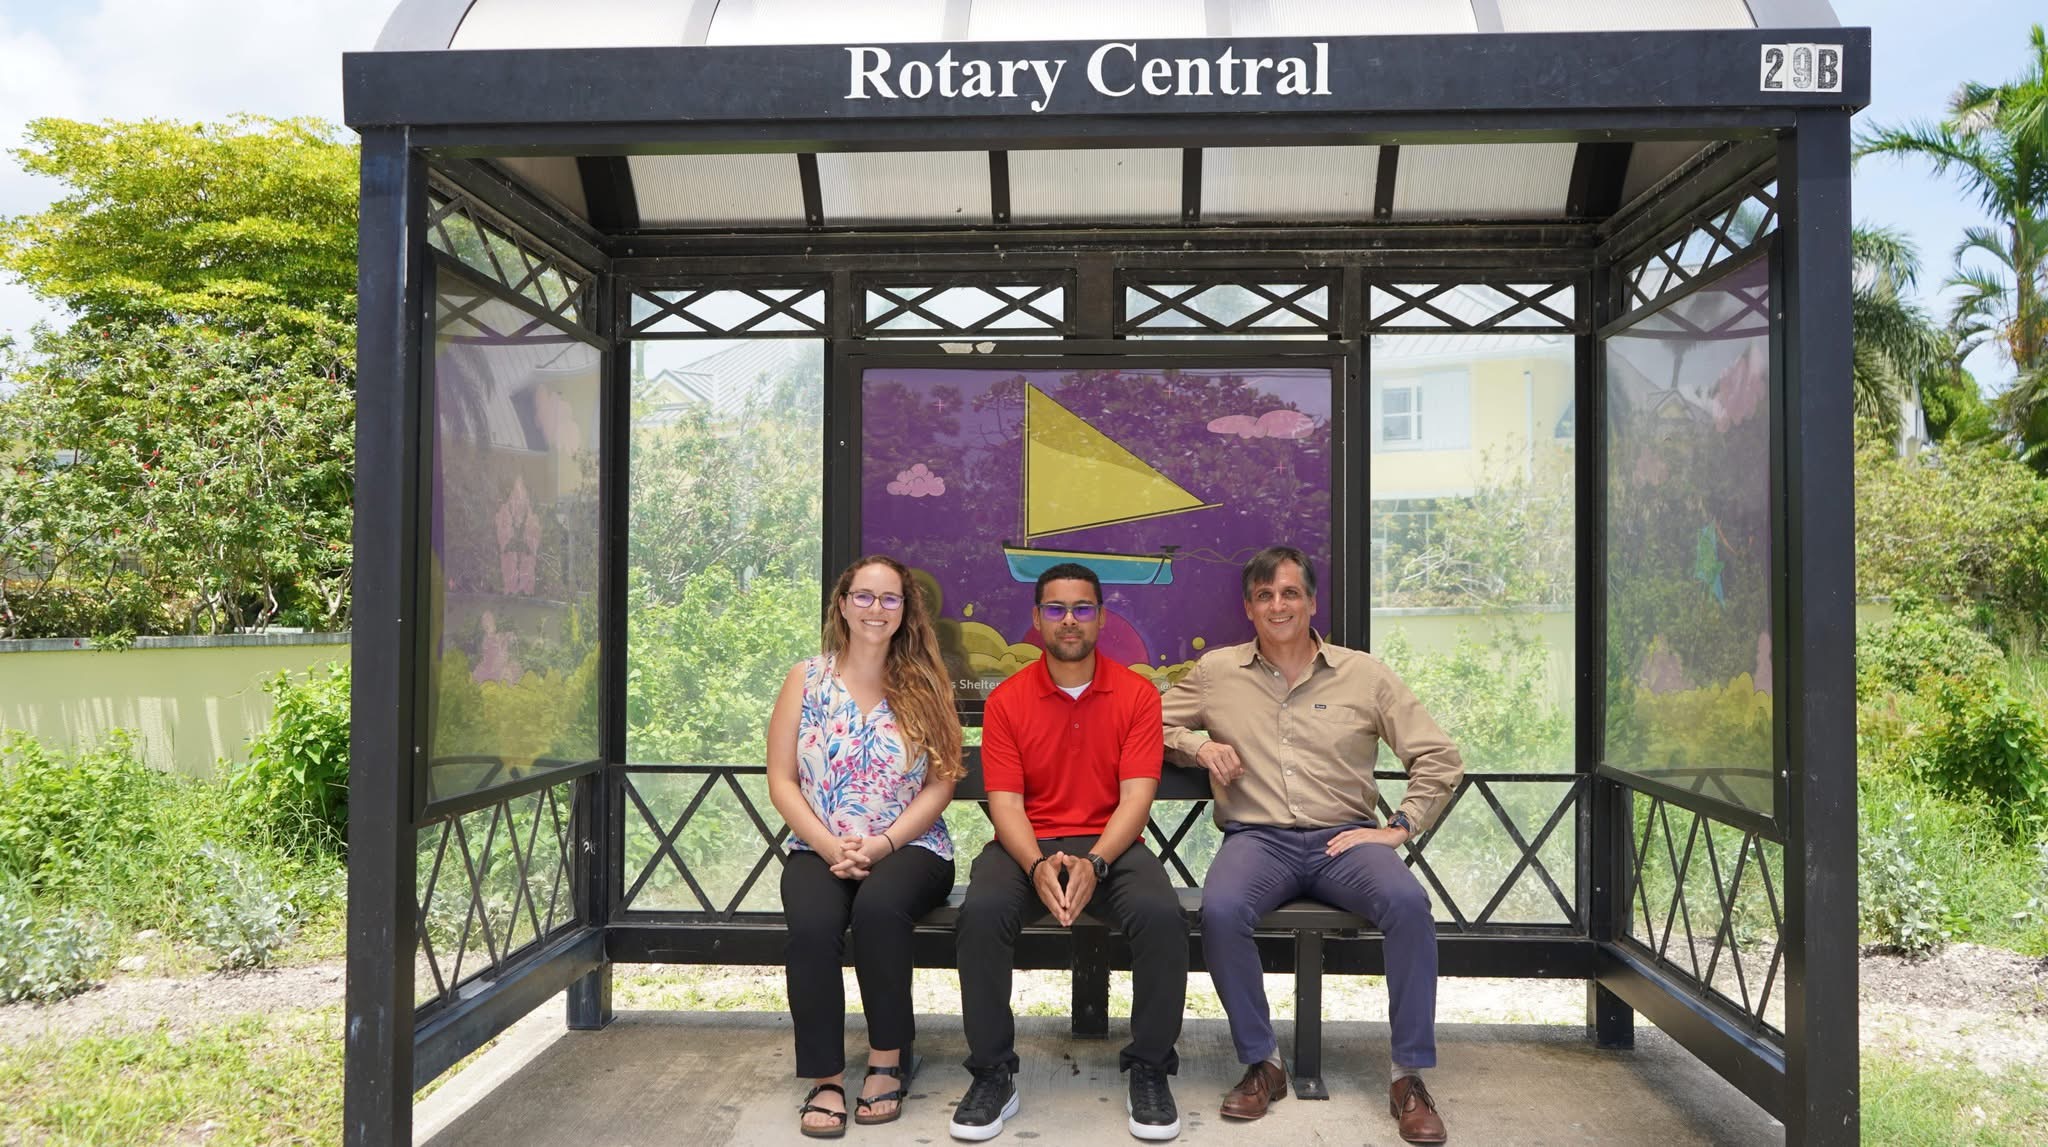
x=1994, y=891
x=258, y=1079
x=1906, y=1105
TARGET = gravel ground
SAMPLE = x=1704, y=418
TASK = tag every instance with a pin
x=1979, y=1005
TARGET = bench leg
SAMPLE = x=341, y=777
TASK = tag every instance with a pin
x=1091, y=983
x=1308, y=1016
x=1610, y=1022
x=590, y=1000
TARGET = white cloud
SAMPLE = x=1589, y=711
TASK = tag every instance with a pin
x=163, y=59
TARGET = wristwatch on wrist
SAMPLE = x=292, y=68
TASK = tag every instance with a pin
x=1400, y=820
x=1100, y=865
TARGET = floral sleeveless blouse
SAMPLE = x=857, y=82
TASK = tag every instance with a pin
x=851, y=768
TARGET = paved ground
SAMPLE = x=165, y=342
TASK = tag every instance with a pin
x=703, y=1079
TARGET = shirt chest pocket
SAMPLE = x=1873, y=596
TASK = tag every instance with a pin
x=1348, y=730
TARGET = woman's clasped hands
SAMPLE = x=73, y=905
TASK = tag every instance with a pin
x=858, y=855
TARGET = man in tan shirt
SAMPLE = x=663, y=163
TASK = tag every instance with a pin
x=1288, y=727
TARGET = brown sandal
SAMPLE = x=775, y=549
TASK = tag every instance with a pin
x=837, y=1130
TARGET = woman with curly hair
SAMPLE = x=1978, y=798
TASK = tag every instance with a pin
x=863, y=754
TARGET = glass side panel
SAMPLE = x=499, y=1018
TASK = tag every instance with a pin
x=1689, y=666
x=1472, y=566
x=512, y=553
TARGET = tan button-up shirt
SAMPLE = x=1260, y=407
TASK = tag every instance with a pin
x=1309, y=750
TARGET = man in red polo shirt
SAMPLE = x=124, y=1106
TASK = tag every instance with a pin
x=1070, y=754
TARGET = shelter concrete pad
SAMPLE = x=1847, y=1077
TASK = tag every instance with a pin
x=716, y=1078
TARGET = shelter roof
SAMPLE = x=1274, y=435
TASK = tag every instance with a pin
x=1078, y=184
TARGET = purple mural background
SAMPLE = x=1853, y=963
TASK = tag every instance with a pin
x=942, y=488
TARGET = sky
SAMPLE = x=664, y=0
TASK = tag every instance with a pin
x=209, y=59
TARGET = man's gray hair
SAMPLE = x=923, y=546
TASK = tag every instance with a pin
x=1265, y=566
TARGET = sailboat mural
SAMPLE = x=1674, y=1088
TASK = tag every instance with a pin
x=1075, y=477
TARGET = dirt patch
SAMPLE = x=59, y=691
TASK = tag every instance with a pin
x=141, y=1002
x=1984, y=1006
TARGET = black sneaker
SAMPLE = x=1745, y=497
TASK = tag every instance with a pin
x=990, y=1099
x=1153, y=1115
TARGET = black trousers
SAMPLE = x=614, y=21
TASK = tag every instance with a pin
x=817, y=907
x=1136, y=894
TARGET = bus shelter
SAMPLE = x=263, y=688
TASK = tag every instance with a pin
x=1528, y=320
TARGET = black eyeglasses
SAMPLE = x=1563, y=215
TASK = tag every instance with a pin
x=1083, y=612
x=864, y=599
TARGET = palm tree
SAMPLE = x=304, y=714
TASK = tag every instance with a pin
x=1995, y=140
x=1897, y=344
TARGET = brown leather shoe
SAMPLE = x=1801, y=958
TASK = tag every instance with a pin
x=1262, y=1084
x=1410, y=1103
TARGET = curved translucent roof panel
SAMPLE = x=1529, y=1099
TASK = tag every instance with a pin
x=417, y=25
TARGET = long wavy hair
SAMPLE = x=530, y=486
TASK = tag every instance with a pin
x=913, y=674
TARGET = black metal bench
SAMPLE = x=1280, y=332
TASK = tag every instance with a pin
x=1094, y=945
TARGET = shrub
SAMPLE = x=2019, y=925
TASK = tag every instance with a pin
x=1988, y=745
x=74, y=828
x=294, y=790
x=1491, y=698
x=1898, y=904
x=237, y=909
x=1896, y=654
x=46, y=956
x=1968, y=523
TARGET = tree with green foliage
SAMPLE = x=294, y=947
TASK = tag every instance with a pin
x=1970, y=524
x=248, y=224
x=181, y=458
x=1995, y=140
x=1898, y=346
x=176, y=477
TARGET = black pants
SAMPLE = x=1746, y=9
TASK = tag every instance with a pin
x=1136, y=895
x=817, y=906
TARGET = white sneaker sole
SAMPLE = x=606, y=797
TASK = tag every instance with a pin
x=974, y=1134
x=1157, y=1131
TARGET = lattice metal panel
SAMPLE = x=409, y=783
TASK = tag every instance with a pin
x=1514, y=863
x=1708, y=242
x=1705, y=901
x=461, y=228
x=1227, y=304
x=1472, y=308
x=982, y=305
x=697, y=842
x=492, y=884
x=703, y=844
x=730, y=308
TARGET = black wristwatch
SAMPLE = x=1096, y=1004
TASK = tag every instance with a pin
x=1400, y=820
x=1101, y=866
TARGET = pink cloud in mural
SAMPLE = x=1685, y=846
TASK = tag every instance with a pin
x=1271, y=424
x=917, y=482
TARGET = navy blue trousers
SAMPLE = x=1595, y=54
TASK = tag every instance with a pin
x=1260, y=867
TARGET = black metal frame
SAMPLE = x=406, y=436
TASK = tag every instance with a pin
x=441, y=110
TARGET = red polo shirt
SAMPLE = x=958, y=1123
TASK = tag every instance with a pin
x=1067, y=755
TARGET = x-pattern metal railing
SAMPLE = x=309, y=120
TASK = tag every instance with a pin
x=1667, y=924
x=1463, y=307
x=1000, y=307
x=1226, y=304
x=667, y=832
x=460, y=228
x=1711, y=239
x=729, y=308
x=510, y=836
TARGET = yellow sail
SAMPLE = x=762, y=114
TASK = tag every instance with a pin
x=1075, y=476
